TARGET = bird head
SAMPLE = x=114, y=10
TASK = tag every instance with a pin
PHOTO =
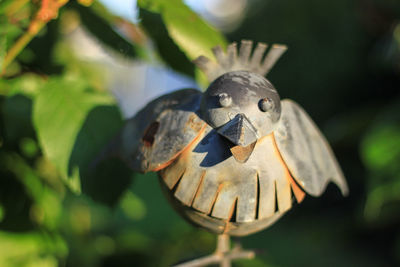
x=242, y=106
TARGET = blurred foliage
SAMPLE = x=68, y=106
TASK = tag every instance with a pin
x=59, y=113
x=102, y=29
x=171, y=24
x=56, y=115
x=180, y=22
x=380, y=150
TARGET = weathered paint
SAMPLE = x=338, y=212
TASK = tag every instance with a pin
x=228, y=162
x=306, y=152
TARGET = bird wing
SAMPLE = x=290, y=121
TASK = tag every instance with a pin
x=158, y=133
x=306, y=152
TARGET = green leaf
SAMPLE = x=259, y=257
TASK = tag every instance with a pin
x=45, y=209
x=9, y=30
x=31, y=249
x=381, y=147
x=105, y=33
x=2, y=50
x=17, y=111
x=59, y=113
x=380, y=152
x=14, y=198
x=8, y=33
x=6, y=6
x=192, y=34
x=106, y=181
x=169, y=52
x=26, y=85
x=1, y=212
x=133, y=206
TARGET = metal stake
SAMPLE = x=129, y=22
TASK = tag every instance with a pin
x=222, y=255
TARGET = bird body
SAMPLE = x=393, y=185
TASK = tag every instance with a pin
x=232, y=159
x=214, y=190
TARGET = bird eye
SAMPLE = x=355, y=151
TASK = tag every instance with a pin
x=225, y=100
x=266, y=104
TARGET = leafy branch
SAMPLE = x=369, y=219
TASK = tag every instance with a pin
x=48, y=10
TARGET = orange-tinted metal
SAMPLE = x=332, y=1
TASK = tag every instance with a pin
x=166, y=164
x=298, y=193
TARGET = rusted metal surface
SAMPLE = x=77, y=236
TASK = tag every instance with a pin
x=213, y=183
x=234, y=158
x=242, y=153
x=154, y=137
x=223, y=255
x=216, y=225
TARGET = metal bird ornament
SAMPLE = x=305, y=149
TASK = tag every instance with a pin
x=232, y=159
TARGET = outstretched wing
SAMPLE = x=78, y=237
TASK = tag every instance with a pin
x=306, y=152
x=158, y=133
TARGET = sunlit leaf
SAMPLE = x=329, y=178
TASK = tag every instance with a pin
x=31, y=249
x=28, y=147
x=10, y=7
x=4, y=5
x=85, y=2
x=132, y=206
x=167, y=49
x=26, y=85
x=2, y=50
x=381, y=147
x=192, y=34
x=8, y=34
x=60, y=111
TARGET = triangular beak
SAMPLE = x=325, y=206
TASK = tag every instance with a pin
x=239, y=131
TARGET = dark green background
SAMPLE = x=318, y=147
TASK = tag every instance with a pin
x=342, y=66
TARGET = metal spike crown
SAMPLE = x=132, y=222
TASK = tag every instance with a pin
x=234, y=60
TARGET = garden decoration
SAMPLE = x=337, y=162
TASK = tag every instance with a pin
x=235, y=158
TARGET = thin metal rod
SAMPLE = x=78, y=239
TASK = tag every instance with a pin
x=222, y=255
x=223, y=247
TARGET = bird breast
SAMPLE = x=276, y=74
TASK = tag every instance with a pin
x=213, y=190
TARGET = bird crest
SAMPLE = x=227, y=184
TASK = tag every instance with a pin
x=242, y=59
